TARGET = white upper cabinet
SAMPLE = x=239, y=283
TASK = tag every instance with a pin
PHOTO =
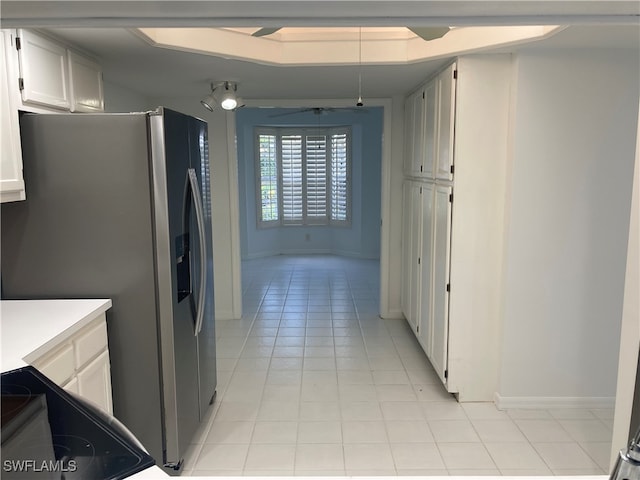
x=43, y=71
x=54, y=77
x=85, y=78
x=39, y=75
x=11, y=180
x=430, y=122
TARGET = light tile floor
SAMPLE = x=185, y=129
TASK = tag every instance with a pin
x=312, y=382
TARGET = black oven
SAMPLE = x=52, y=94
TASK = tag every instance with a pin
x=47, y=433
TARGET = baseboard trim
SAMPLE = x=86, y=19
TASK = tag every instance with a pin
x=543, y=403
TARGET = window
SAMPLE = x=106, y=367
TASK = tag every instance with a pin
x=303, y=176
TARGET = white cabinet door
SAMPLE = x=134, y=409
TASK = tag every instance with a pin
x=94, y=382
x=411, y=253
x=426, y=274
x=406, y=249
x=446, y=120
x=85, y=78
x=43, y=69
x=430, y=127
x=11, y=179
x=408, y=135
x=437, y=352
x=418, y=132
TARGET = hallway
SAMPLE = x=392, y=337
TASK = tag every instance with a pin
x=312, y=382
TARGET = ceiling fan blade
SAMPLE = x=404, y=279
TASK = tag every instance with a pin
x=429, y=33
x=295, y=112
x=265, y=31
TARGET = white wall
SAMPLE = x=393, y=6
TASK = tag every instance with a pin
x=120, y=99
x=573, y=147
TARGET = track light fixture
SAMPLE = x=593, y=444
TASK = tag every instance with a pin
x=223, y=93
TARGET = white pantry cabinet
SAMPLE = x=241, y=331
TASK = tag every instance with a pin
x=81, y=364
x=458, y=243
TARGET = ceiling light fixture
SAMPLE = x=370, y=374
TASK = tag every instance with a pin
x=223, y=93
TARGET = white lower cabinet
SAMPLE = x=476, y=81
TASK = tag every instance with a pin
x=426, y=248
x=94, y=382
x=81, y=364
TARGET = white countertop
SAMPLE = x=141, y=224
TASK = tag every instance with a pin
x=29, y=328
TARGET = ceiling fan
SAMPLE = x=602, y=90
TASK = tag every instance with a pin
x=426, y=33
x=322, y=111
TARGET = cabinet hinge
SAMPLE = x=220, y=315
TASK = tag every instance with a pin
x=451, y=197
x=448, y=287
x=452, y=169
x=446, y=374
x=455, y=74
x=417, y=328
x=21, y=84
x=420, y=190
x=18, y=43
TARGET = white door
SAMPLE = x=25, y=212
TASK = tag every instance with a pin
x=441, y=251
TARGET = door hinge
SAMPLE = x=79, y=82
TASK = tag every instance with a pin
x=418, y=260
x=18, y=43
x=452, y=169
x=423, y=94
x=448, y=287
x=417, y=328
x=420, y=190
x=455, y=74
x=446, y=374
x=451, y=197
x=421, y=168
x=21, y=84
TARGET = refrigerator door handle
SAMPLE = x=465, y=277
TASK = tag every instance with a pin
x=197, y=202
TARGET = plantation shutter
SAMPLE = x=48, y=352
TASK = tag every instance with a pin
x=339, y=178
x=291, y=154
x=316, y=179
x=268, y=187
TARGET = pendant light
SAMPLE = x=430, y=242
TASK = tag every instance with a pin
x=359, y=102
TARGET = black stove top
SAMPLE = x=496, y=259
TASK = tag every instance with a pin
x=49, y=434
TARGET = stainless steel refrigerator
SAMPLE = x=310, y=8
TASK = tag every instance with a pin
x=119, y=206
